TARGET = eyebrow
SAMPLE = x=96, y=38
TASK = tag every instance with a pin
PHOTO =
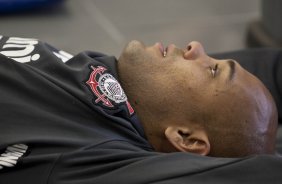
x=231, y=64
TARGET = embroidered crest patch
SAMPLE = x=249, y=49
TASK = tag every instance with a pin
x=107, y=89
x=111, y=88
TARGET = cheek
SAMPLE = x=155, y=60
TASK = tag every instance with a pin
x=192, y=82
x=189, y=95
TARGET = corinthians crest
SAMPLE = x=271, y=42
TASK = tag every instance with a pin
x=106, y=88
x=111, y=88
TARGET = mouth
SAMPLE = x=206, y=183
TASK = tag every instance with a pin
x=162, y=49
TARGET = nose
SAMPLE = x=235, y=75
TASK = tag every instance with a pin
x=194, y=50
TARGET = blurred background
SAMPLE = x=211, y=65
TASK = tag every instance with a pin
x=107, y=25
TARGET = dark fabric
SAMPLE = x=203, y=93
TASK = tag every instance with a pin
x=55, y=129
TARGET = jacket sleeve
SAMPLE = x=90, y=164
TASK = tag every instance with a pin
x=266, y=64
x=120, y=162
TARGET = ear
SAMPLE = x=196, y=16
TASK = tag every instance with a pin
x=187, y=140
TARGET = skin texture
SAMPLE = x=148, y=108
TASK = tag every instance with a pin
x=190, y=102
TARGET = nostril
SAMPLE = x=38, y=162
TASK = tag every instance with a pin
x=194, y=50
x=189, y=47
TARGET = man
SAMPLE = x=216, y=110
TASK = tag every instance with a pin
x=67, y=119
x=193, y=100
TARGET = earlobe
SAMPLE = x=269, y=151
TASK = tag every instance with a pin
x=198, y=146
x=187, y=140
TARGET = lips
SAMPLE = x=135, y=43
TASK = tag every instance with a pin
x=161, y=48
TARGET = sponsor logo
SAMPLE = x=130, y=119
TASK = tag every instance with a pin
x=20, y=49
x=64, y=56
x=107, y=89
x=12, y=154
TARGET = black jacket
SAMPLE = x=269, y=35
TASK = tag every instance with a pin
x=66, y=119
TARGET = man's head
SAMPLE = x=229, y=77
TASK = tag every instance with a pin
x=188, y=101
